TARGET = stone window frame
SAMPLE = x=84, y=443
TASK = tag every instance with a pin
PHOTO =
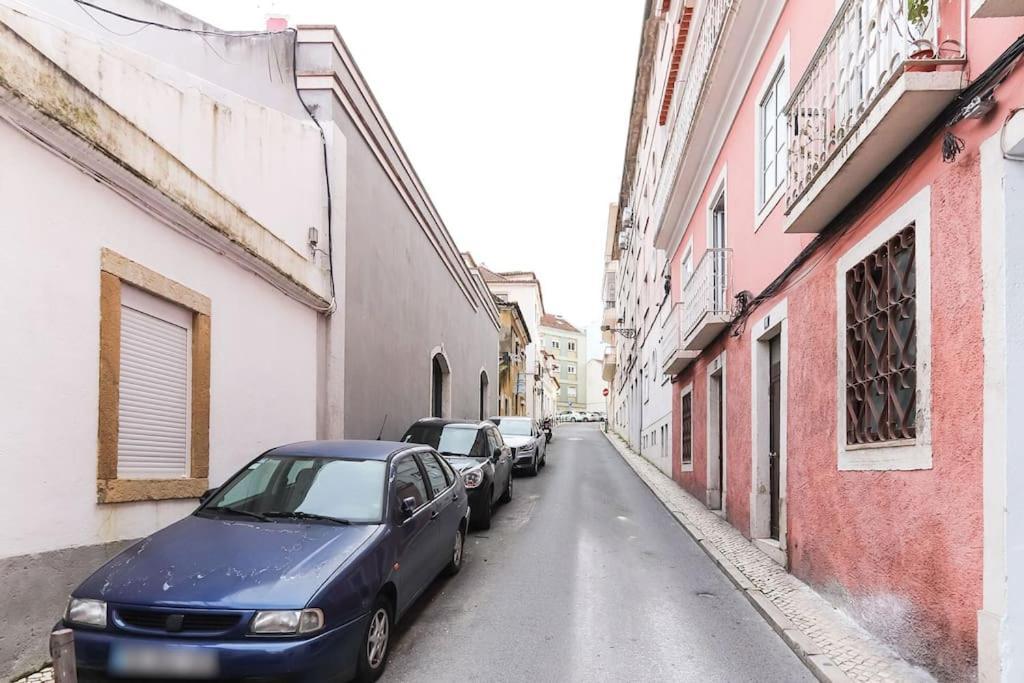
x=116, y=269
x=916, y=453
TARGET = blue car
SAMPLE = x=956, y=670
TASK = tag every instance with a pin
x=296, y=569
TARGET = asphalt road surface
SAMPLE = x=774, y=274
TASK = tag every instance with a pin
x=585, y=576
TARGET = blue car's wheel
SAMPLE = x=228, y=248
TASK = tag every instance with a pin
x=373, y=655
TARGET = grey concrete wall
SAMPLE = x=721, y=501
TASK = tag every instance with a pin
x=34, y=591
x=402, y=302
x=398, y=299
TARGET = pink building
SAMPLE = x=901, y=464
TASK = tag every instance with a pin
x=832, y=185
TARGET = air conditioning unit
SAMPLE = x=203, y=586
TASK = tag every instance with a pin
x=627, y=218
x=624, y=239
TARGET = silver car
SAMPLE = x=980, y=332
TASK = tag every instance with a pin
x=524, y=436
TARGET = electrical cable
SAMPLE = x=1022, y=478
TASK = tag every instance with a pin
x=201, y=33
x=893, y=175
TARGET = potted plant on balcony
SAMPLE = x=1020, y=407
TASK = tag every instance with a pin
x=922, y=51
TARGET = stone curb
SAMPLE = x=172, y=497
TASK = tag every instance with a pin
x=819, y=664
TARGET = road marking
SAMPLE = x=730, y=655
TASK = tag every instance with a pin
x=575, y=438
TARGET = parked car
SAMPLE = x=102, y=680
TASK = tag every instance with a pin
x=529, y=447
x=478, y=453
x=289, y=571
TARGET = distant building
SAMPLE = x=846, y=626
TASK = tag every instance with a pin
x=523, y=288
x=568, y=345
x=596, y=400
x=512, y=367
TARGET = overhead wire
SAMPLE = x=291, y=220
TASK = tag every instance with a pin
x=202, y=34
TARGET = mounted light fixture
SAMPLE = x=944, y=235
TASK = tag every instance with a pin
x=627, y=332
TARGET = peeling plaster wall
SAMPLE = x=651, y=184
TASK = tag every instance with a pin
x=54, y=222
x=266, y=161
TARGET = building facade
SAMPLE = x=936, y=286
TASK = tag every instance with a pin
x=568, y=347
x=191, y=287
x=523, y=288
x=831, y=184
x=596, y=386
x=512, y=367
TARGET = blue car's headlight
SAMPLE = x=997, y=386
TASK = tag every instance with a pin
x=287, y=622
x=87, y=612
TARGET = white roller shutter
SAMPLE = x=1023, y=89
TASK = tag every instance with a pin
x=153, y=409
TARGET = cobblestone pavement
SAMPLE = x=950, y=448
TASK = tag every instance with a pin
x=831, y=643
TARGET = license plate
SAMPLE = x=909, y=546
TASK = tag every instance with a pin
x=163, y=661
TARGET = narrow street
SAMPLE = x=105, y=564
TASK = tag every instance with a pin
x=584, y=577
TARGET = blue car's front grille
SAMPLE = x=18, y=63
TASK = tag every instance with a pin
x=177, y=622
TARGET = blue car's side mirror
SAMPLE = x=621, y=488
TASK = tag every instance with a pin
x=408, y=507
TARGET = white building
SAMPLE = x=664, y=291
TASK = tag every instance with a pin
x=523, y=288
x=596, y=401
x=167, y=269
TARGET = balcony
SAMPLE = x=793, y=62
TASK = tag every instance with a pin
x=707, y=300
x=608, y=365
x=674, y=357
x=878, y=79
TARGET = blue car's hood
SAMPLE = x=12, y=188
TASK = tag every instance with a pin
x=227, y=563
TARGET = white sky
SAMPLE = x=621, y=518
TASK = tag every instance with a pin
x=514, y=115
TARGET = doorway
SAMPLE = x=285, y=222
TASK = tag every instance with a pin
x=769, y=352
x=715, y=496
x=440, y=385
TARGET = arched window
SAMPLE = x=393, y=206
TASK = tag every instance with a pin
x=483, y=394
x=440, y=385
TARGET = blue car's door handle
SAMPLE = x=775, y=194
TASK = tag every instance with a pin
x=434, y=514
x=455, y=497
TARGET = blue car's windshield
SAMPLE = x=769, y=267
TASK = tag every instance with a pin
x=276, y=487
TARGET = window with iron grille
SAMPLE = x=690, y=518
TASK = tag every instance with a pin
x=881, y=344
x=686, y=433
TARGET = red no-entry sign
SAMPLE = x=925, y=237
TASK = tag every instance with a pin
x=604, y=392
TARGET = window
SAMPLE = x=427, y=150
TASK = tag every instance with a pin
x=881, y=344
x=152, y=411
x=154, y=385
x=409, y=482
x=435, y=473
x=686, y=429
x=572, y=392
x=772, y=136
x=554, y=344
x=571, y=368
x=572, y=345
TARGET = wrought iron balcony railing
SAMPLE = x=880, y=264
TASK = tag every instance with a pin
x=695, y=73
x=869, y=45
x=707, y=298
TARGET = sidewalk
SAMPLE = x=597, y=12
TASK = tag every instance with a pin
x=832, y=646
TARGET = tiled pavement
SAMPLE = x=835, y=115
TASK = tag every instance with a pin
x=830, y=643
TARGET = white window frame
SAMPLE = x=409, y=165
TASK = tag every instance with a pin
x=571, y=345
x=685, y=266
x=778, y=74
x=910, y=455
x=686, y=390
x=720, y=194
x=570, y=368
x=554, y=344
